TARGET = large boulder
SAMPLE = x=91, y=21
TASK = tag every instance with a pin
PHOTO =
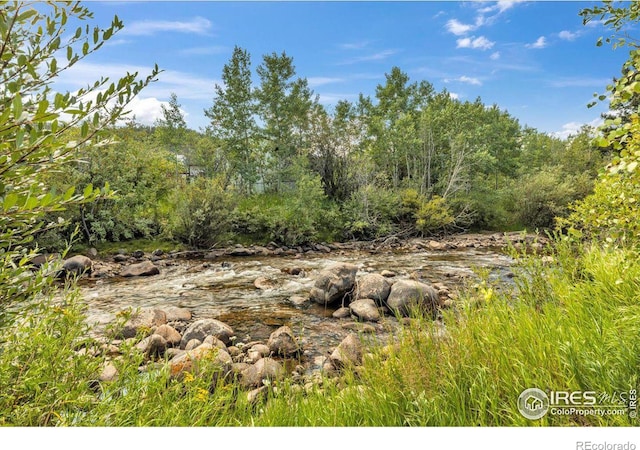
x=283, y=342
x=202, y=328
x=406, y=295
x=373, y=286
x=365, y=309
x=143, y=269
x=334, y=285
x=170, y=335
x=76, y=266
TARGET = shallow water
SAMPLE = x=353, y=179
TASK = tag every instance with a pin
x=224, y=289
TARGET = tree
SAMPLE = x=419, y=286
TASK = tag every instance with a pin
x=172, y=128
x=233, y=121
x=284, y=104
x=35, y=121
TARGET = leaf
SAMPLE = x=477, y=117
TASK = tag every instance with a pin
x=17, y=106
x=9, y=201
x=87, y=191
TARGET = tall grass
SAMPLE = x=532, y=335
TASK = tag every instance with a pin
x=568, y=324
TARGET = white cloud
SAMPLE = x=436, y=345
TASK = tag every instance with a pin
x=185, y=85
x=146, y=110
x=197, y=25
x=481, y=43
x=495, y=56
x=458, y=28
x=567, y=35
x=354, y=45
x=465, y=79
x=320, y=81
x=379, y=56
x=210, y=50
x=541, y=42
x=573, y=128
x=454, y=96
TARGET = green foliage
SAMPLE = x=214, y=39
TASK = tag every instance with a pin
x=371, y=212
x=433, y=216
x=34, y=138
x=202, y=214
x=299, y=215
x=541, y=197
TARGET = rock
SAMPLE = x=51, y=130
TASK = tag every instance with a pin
x=435, y=245
x=202, y=328
x=262, y=349
x=373, y=286
x=191, y=361
x=120, y=258
x=298, y=300
x=143, y=319
x=215, y=343
x=359, y=327
x=173, y=352
x=240, y=251
x=152, y=346
x=138, y=254
x=175, y=314
x=76, y=266
x=269, y=369
x=143, y=269
x=92, y=252
x=348, y=353
x=388, y=274
x=264, y=283
x=282, y=342
x=192, y=344
x=342, y=313
x=257, y=394
x=408, y=294
x=170, y=335
x=365, y=309
x=334, y=285
x=109, y=373
x=157, y=252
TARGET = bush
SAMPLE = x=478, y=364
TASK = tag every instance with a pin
x=371, y=212
x=202, y=213
x=433, y=216
x=541, y=197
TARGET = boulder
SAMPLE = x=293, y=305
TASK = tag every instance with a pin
x=175, y=314
x=202, y=328
x=406, y=295
x=365, y=309
x=143, y=319
x=373, y=286
x=193, y=344
x=342, y=313
x=283, y=342
x=269, y=369
x=334, y=285
x=170, y=335
x=348, y=353
x=76, y=265
x=143, y=269
x=153, y=346
x=191, y=361
x=109, y=373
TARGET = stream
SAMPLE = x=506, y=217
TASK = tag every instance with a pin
x=224, y=289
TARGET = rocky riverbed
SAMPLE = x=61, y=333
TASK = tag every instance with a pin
x=267, y=311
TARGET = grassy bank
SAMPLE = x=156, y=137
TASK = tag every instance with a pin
x=569, y=323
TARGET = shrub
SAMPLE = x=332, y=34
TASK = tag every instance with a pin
x=202, y=213
x=433, y=216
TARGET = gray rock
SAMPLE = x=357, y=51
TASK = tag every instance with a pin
x=109, y=373
x=256, y=395
x=175, y=314
x=215, y=342
x=373, y=286
x=76, y=266
x=283, y=342
x=262, y=349
x=143, y=269
x=191, y=361
x=269, y=369
x=388, y=274
x=342, y=313
x=334, y=285
x=193, y=344
x=202, y=328
x=409, y=294
x=143, y=319
x=348, y=353
x=365, y=309
x=152, y=346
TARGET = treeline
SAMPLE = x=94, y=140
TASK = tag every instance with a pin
x=276, y=165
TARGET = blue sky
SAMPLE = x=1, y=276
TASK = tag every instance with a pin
x=533, y=59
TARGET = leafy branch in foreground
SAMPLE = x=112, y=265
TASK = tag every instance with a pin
x=35, y=122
